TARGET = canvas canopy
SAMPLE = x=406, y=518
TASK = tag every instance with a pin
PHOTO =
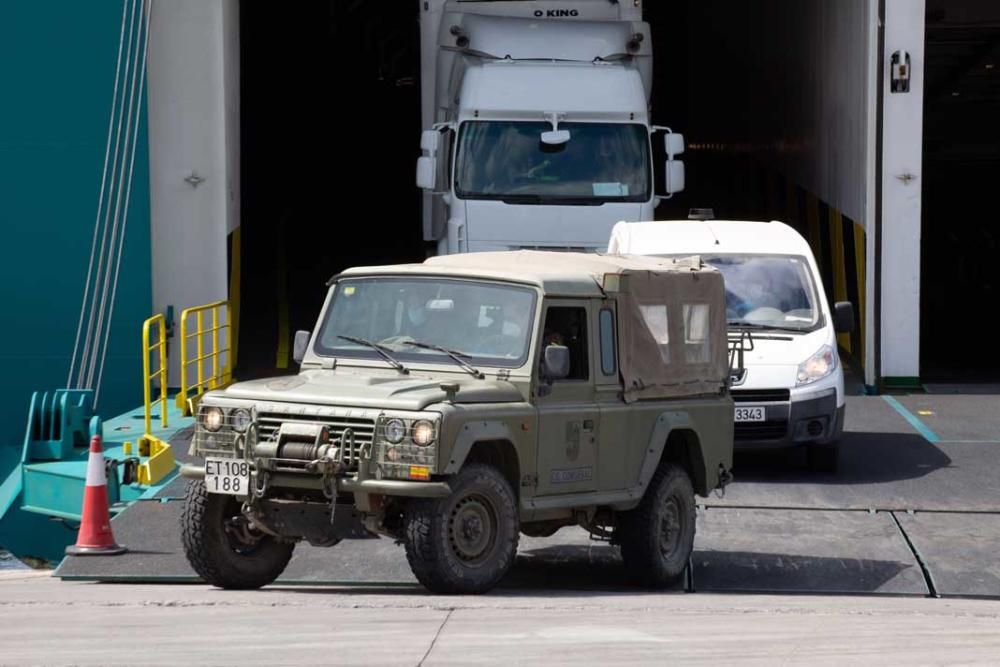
x=672, y=337
x=672, y=332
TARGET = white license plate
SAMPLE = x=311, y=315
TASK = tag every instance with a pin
x=751, y=413
x=227, y=476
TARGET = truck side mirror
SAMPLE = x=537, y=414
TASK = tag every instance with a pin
x=555, y=365
x=430, y=140
x=843, y=317
x=674, y=170
x=673, y=143
x=301, y=345
x=426, y=171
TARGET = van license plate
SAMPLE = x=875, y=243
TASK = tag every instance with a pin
x=227, y=476
x=753, y=413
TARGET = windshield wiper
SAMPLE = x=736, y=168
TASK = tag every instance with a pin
x=555, y=200
x=763, y=327
x=454, y=354
x=381, y=349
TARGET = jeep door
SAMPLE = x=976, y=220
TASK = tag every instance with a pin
x=615, y=454
x=568, y=417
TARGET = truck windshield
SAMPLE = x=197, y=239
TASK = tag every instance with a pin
x=768, y=291
x=602, y=162
x=484, y=324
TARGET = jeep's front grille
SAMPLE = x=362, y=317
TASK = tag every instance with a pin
x=363, y=429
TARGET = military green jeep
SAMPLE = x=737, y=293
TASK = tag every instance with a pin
x=455, y=404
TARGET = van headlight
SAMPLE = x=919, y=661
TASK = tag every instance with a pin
x=817, y=367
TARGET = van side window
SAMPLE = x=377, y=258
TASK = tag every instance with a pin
x=607, y=325
x=568, y=326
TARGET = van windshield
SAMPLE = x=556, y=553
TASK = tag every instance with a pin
x=772, y=291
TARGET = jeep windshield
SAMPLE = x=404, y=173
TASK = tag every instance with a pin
x=768, y=291
x=485, y=324
x=506, y=160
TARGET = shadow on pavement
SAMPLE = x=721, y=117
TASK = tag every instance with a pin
x=865, y=458
x=774, y=572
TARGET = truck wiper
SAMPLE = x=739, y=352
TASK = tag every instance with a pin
x=735, y=324
x=545, y=199
x=454, y=354
x=381, y=350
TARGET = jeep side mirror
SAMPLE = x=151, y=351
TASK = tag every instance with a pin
x=301, y=345
x=843, y=317
x=555, y=365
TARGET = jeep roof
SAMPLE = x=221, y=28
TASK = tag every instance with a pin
x=556, y=273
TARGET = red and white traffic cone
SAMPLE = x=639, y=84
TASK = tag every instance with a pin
x=95, y=537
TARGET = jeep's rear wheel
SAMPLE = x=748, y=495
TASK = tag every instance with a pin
x=222, y=546
x=466, y=542
x=657, y=537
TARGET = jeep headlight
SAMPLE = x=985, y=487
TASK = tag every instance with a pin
x=818, y=366
x=394, y=431
x=423, y=433
x=240, y=419
x=212, y=418
x=405, y=446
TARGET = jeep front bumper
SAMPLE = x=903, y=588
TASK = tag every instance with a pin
x=388, y=487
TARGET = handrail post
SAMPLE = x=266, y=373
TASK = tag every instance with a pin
x=184, y=347
x=215, y=345
x=145, y=375
x=164, y=372
x=200, y=347
x=229, y=346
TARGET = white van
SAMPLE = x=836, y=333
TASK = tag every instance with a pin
x=791, y=391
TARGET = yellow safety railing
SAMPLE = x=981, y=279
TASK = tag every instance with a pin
x=160, y=346
x=219, y=356
x=160, y=458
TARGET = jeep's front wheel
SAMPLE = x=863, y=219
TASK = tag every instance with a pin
x=467, y=541
x=222, y=546
x=657, y=537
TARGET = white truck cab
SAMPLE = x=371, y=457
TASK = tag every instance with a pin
x=537, y=125
x=791, y=391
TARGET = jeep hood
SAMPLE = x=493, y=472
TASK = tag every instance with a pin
x=337, y=387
